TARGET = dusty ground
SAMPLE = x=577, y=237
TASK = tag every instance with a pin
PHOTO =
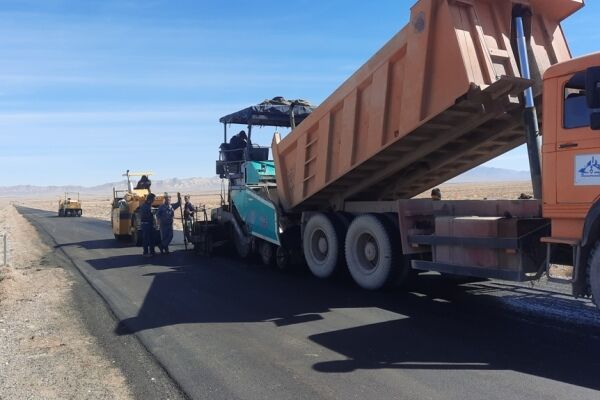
x=45, y=351
x=479, y=191
x=100, y=207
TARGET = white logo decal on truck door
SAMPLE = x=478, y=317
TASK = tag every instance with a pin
x=587, y=170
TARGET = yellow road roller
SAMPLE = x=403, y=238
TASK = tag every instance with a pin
x=68, y=206
x=124, y=214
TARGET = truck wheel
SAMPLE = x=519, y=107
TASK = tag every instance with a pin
x=322, y=244
x=371, y=251
x=593, y=274
x=267, y=253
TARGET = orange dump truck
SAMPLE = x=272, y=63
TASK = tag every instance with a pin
x=461, y=84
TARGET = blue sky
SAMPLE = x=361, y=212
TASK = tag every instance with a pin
x=91, y=88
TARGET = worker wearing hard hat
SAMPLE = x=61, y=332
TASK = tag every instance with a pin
x=165, y=216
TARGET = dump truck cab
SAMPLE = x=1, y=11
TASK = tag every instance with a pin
x=571, y=163
x=571, y=146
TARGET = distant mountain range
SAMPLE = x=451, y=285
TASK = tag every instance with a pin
x=202, y=185
x=187, y=185
x=488, y=174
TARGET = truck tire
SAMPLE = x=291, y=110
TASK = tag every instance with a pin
x=323, y=245
x=371, y=252
x=593, y=274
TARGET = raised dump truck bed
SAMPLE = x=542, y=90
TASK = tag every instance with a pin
x=440, y=98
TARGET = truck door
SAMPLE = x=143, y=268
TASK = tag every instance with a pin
x=578, y=147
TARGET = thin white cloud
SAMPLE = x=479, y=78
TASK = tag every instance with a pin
x=171, y=80
x=172, y=113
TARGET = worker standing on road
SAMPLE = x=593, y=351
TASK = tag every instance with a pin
x=147, y=225
x=165, y=216
x=188, y=215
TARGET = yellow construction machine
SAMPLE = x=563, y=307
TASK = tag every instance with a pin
x=69, y=207
x=124, y=215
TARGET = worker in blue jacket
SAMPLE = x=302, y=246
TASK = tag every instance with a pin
x=188, y=216
x=147, y=225
x=165, y=216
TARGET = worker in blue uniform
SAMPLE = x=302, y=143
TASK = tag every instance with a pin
x=165, y=216
x=147, y=225
x=188, y=216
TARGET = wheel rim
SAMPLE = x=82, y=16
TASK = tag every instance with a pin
x=319, y=246
x=367, y=252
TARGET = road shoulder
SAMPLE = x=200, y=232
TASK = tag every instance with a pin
x=78, y=354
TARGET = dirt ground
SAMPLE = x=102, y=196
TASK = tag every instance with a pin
x=480, y=191
x=45, y=350
x=100, y=206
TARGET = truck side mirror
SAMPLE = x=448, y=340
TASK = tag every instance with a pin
x=592, y=87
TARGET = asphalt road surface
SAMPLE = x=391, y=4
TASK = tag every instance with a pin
x=224, y=329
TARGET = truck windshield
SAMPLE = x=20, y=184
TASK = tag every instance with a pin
x=576, y=112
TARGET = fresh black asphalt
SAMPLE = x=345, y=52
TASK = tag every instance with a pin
x=224, y=329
